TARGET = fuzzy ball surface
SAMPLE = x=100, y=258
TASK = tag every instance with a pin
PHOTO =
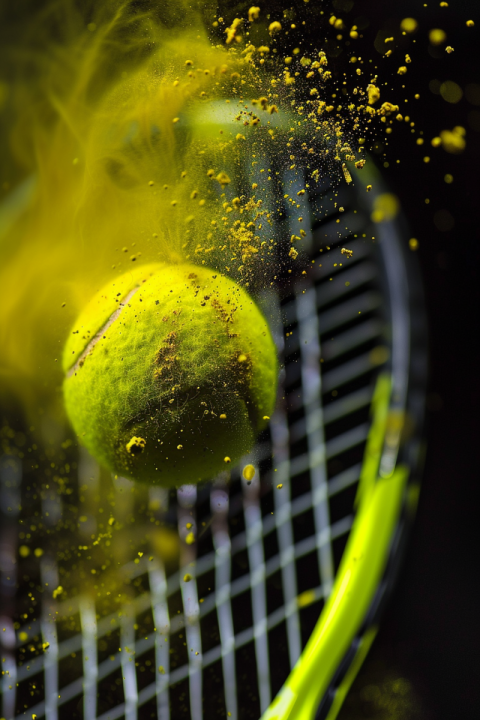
x=169, y=370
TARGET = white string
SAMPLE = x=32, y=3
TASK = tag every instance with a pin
x=49, y=576
x=253, y=525
x=158, y=589
x=312, y=395
x=88, y=620
x=221, y=541
x=127, y=656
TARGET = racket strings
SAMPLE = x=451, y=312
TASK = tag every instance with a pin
x=259, y=573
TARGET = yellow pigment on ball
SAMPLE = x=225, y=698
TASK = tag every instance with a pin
x=170, y=372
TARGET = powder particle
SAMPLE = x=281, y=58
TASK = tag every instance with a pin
x=274, y=28
x=453, y=141
x=437, y=36
x=248, y=473
x=136, y=445
x=373, y=93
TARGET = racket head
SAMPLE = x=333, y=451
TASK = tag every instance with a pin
x=288, y=574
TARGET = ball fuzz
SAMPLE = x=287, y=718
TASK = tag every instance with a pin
x=168, y=371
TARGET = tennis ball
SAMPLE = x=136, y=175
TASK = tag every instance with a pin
x=169, y=370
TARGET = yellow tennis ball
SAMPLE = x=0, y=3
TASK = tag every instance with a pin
x=168, y=370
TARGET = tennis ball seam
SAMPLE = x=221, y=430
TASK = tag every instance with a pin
x=102, y=306
x=91, y=345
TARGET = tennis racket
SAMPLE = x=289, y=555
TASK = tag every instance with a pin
x=276, y=587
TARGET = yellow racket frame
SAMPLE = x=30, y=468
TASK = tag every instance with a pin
x=363, y=563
